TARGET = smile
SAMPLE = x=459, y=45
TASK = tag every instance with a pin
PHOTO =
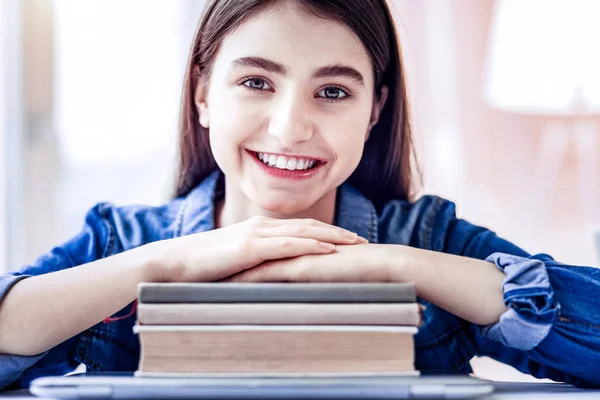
x=294, y=168
x=287, y=162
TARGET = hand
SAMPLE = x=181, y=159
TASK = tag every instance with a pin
x=356, y=263
x=217, y=254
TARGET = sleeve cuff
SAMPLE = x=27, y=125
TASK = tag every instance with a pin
x=7, y=281
x=11, y=366
x=529, y=297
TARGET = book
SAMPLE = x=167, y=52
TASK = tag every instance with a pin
x=234, y=292
x=275, y=349
x=277, y=329
x=407, y=314
x=212, y=375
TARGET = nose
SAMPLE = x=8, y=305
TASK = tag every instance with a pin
x=290, y=122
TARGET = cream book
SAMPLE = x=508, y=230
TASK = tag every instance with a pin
x=280, y=314
x=276, y=349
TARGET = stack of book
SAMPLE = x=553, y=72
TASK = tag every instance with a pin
x=277, y=329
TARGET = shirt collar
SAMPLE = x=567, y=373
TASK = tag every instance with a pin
x=354, y=211
x=197, y=211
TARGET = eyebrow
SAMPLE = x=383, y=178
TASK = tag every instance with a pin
x=262, y=63
x=340, y=71
x=330, y=71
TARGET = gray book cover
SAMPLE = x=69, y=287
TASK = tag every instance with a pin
x=235, y=292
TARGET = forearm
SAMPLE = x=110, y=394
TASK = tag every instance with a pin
x=42, y=311
x=466, y=287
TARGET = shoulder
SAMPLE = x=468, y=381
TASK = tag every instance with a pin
x=431, y=223
x=426, y=206
x=421, y=223
x=110, y=229
x=125, y=227
x=107, y=230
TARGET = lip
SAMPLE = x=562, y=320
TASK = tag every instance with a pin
x=296, y=175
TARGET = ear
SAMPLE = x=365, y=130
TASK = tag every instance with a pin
x=378, y=104
x=200, y=100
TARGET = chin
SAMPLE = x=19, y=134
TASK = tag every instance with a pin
x=283, y=206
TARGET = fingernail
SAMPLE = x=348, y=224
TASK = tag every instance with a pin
x=362, y=240
x=327, y=246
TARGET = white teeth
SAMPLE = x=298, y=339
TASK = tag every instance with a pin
x=291, y=164
x=283, y=162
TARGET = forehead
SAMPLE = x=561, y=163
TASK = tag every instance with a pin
x=300, y=40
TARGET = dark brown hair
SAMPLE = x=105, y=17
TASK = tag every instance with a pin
x=385, y=170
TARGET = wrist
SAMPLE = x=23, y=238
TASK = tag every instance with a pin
x=406, y=264
x=154, y=261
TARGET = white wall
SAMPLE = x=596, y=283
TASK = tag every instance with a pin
x=116, y=103
x=93, y=113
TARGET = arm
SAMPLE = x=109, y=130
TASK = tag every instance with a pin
x=44, y=307
x=466, y=287
x=67, y=302
x=551, y=325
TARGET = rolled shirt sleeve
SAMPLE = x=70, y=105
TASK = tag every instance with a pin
x=551, y=328
x=528, y=294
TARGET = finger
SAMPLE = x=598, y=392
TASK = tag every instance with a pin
x=324, y=233
x=306, y=221
x=273, y=248
x=303, y=269
x=270, y=271
x=297, y=228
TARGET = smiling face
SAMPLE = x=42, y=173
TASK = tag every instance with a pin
x=289, y=104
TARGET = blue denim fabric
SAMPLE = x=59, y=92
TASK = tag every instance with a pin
x=550, y=330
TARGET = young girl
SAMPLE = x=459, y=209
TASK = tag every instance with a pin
x=295, y=165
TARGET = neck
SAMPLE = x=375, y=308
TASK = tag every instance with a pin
x=236, y=207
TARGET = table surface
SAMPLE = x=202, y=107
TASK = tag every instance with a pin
x=503, y=390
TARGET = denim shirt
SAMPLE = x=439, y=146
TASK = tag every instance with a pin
x=551, y=328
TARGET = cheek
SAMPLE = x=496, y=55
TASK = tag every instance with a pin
x=347, y=138
x=231, y=124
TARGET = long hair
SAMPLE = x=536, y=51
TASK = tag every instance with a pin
x=385, y=171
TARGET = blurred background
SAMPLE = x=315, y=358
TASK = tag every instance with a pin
x=505, y=98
